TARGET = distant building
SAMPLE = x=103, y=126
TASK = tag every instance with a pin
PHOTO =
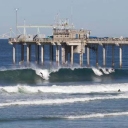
x=69, y=34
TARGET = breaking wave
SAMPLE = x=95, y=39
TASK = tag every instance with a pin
x=98, y=115
x=38, y=75
x=67, y=117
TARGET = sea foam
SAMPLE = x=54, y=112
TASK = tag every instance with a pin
x=61, y=101
x=97, y=115
x=70, y=89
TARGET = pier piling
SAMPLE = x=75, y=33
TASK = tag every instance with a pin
x=72, y=55
x=97, y=56
x=88, y=56
x=104, y=55
x=42, y=54
x=113, y=50
x=120, y=54
x=28, y=53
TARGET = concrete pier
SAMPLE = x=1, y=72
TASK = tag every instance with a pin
x=67, y=41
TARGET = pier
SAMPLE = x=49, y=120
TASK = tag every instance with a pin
x=67, y=40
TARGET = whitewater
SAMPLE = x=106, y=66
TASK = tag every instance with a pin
x=70, y=89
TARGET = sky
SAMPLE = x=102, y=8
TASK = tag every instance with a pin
x=102, y=17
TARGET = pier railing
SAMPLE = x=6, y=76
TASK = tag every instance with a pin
x=45, y=40
x=116, y=41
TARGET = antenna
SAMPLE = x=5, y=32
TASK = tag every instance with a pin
x=10, y=32
x=57, y=20
x=38, y=30
x=72, y=12
x=24, y=28
x=16, y=9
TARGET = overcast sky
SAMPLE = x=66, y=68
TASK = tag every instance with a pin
x=102, y=17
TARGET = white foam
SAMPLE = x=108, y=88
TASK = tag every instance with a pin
x=97, y=71
x=105, y=71
x=9, y=89
x=45, y=73
x=70, y=89
x=111, y=70
x=98, y=115
x=13, y=68
x=61, y=101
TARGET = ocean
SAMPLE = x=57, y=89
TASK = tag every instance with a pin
x=68, y=96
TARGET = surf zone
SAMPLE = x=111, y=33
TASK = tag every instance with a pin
x=38, y=75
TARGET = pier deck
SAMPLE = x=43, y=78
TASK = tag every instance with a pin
x=110, y=41
x=100, y=41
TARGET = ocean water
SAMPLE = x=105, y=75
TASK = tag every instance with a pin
x=73, y=97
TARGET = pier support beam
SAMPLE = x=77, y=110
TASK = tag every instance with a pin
x=72, y=55
x=97, y=56
x=28, y=53
x=57, y=54
x=113, y=50
x=14, y=53
x=88, y=56
x=42, y=54
x=81, y=54
x=104, y=55
x=81, y=58
x=22, y=53
x=120, y=54
x=63, y=53
x=66, y=56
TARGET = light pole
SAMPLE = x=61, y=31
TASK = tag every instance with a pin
x=16, y=19
x=14, y=45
